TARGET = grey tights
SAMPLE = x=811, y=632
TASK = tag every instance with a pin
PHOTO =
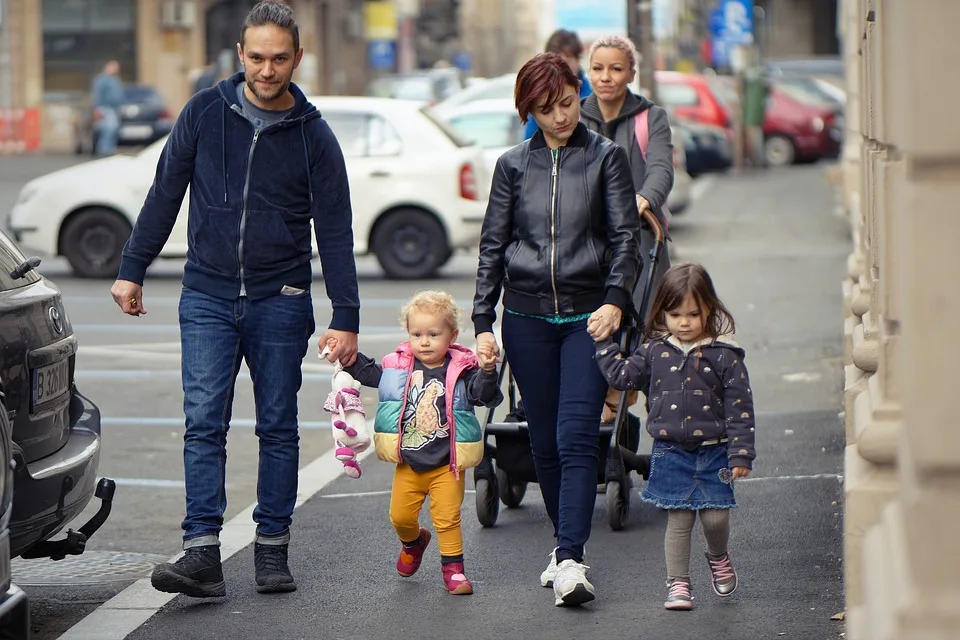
x=716, y=529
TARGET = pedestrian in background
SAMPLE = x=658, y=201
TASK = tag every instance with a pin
x=107, y=97
x=701, y=419
x=426, y=425
x=261, y=165
x=643, y=129
x=560, y=240
x=567, y=45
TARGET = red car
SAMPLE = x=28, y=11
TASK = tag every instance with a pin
x=798, y=124
x=690, y=97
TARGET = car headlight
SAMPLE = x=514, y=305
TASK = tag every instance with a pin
x=817, y=124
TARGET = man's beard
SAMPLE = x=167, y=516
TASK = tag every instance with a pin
x=267, y=97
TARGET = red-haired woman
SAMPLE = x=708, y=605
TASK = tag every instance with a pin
x=560, y=240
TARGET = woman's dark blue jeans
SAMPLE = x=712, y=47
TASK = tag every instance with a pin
x=562, y=390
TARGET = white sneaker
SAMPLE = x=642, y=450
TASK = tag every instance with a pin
x=546, y=578
x=571, y=586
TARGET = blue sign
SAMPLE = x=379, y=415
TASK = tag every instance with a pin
x=730, y=25
x=382, y=54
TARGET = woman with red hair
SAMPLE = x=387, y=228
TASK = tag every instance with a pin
x=560, y=241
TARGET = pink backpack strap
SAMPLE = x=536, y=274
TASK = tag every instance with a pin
x=641, y=128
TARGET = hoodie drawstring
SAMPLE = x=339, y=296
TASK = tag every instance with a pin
x=306, y=157
x=223, y=148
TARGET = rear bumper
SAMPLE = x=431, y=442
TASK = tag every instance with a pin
x=52, y=491
x=466, y=234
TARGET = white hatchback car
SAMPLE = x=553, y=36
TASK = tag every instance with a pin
x=418, y=191
x=495, y=126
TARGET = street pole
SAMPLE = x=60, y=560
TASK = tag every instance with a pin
x=645, y=47
x=6, y=82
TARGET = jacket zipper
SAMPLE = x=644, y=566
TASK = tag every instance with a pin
x=553, y=230
x=243, y=211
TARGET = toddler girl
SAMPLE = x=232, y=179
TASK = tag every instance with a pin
x=700, y=416
x=426, y=425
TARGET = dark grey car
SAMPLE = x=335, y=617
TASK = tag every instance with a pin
x=53, y=449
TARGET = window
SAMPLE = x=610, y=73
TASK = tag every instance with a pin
x=10, y=259
x=79, y=36
x=362, y=135
x=489, y=130
x=677, y=95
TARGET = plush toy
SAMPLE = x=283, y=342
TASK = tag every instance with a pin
x=349, y=422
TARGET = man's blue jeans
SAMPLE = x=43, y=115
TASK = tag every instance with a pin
x=563, y=391
x=271, y=335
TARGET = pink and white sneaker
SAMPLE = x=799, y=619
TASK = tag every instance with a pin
x=679, y=596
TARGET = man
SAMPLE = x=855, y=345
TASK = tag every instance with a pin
x=261, y=165
x=107, y=98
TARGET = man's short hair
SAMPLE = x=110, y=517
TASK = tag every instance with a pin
x=274, y=12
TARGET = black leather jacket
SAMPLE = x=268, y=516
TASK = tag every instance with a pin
x=560, y=236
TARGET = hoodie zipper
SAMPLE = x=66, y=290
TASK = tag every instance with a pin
x=553, y=229
x=243, y=210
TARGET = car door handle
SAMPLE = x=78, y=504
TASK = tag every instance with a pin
x=379, y=173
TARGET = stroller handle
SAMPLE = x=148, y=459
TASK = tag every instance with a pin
x=654, y=222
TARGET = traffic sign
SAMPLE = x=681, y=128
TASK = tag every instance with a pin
x=382, y=54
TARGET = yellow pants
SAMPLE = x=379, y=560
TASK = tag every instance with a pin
x=446, y=495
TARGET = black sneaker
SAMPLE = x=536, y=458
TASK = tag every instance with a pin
x=198, y=574
x=273, y=574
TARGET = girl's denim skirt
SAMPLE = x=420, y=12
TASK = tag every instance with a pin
x=681, y=479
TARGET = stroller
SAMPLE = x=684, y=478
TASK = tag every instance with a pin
x=619, y=441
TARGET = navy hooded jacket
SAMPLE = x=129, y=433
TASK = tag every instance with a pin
x=253, y=195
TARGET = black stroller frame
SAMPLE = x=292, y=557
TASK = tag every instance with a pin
x=619, y=441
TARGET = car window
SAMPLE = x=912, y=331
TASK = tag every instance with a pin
x=10, y=258
x=140, y=93
x=677, y=95
x=489, y=130
x=363, y=134
x=448, y=130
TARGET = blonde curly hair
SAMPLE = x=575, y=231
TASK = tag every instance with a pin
x=436, y=303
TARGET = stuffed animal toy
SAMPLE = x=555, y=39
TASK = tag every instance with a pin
x=350, y=434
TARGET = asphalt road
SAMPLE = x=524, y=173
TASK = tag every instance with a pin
x=776, y=253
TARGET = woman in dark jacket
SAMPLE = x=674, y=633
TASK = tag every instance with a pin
x=615, y=112
x=560, y=239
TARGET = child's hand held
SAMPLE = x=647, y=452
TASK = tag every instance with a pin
x=739, y=472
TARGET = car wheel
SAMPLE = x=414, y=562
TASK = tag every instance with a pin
x=92, y=241
x=778, y=151
x=410, y=244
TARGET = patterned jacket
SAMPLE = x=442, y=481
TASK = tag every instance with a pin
x=697, y=395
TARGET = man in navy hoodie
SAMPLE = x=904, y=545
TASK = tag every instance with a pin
x=261, y=165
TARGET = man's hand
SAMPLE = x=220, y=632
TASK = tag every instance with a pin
x=739, y=472
x=343, y=346
x=604, y=321
x=129, y=297
x=487, y=356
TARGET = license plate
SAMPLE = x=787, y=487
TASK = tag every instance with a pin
x=51, y=382
x=136, y=131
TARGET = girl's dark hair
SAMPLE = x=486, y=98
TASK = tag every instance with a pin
x=274, y=12
x=679, y=282
x=543, y=73
x=564, y=41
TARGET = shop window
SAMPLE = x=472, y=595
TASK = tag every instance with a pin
x=79, y=36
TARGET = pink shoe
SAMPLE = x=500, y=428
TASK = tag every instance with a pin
x=455, y=581
x=345, y=453
x=679, y=597
x=410, y=558
x=723, y=574
x=352, y=469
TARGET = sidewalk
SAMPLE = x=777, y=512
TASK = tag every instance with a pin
x=776, y=252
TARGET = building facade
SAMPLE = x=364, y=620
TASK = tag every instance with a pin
x=55, y=47
x=901, y=185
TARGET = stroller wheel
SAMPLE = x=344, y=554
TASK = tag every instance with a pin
x=488, y=502
x=511, y=493
x=618, y=505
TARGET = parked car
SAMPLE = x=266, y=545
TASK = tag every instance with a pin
x=692, y=97
x=14, y=608
x=495, y=126
x=413, y=183
x=144, y=119
x=427, y=86
x=798, y=124
x=51, y=441
x=707, y=147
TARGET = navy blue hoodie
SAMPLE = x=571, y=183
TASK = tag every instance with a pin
x=253, y=195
